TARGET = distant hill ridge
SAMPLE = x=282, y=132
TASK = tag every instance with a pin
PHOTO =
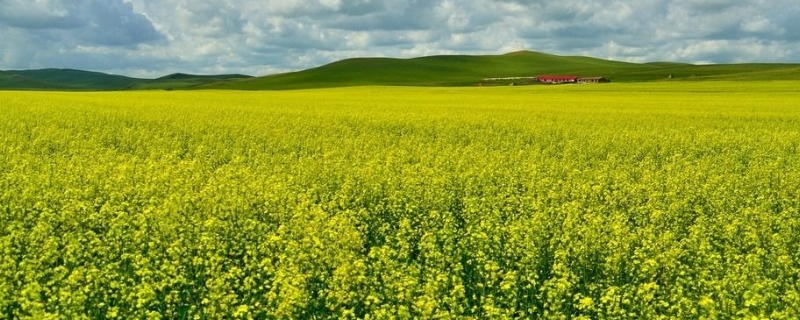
x=195, y=76
x=440, y=70
x=79, y=80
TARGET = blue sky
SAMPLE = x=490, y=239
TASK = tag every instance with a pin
x=151, y=38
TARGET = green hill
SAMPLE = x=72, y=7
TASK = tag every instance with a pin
x=451, y=70
x=463, y=70
x=64, y=79
x=187, y=81
x=69, y=79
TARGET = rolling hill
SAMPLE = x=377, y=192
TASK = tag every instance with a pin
x=463, y=70
x=63, y=79
x=70, y=79
x=451, y=70
x=445, y=70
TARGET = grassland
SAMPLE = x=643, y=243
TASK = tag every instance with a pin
x=431, y=71
x=461, y=70
x=676, y=200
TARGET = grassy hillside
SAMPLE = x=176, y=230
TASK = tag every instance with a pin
x=748, y=72
x=69, y=79
x=431, y=71
x=63, y=79
x=184, y=81
x=464, y=70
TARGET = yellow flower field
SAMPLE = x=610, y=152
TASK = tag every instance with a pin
x=619, y=201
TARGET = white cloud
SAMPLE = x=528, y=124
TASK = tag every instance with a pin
x=760, y=24
x=43, y=14
x=152, y=38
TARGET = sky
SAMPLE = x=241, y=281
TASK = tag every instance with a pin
x=152, y=38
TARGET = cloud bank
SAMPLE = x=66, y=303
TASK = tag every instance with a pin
x=152, y=38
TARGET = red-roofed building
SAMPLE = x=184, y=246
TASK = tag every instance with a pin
x=558, y=79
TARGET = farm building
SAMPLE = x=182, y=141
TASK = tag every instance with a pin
x=592, y=80
x=570, y=79
x=558, y=79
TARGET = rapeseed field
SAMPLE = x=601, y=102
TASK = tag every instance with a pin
x=664, y=200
